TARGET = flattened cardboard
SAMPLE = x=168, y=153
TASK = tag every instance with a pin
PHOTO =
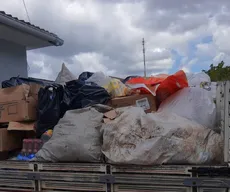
x=19, y=103
x=106, y=120
x=10, y=140
x=111, y=114
x=21, y=126
x=146, y=101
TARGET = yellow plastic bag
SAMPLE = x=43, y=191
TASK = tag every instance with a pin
x=116, y=88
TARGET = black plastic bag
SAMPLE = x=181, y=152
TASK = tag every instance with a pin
x=84, y=76
x=79, y=95
x=49, y=108
x=14, y=81
x=54, y=101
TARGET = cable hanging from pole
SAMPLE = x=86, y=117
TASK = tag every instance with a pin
x=26, y=10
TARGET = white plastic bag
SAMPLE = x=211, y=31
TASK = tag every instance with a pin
x=193, y=103
x=196, y=79
x=159, y=138
x=202, y=80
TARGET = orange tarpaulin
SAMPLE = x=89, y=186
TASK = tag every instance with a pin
x=162, y=85
x=149, y=80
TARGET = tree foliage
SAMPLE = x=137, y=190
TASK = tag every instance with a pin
x=219, y=72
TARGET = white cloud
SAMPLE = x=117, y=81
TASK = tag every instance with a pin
x=106, y=35
x=90, y=62
x=40, y=66
x=221, y=36
x=186, y=64
x=206, y=49
x=221, y=57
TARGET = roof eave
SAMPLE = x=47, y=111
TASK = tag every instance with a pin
x=51, y=38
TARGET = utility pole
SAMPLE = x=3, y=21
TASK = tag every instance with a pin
x=143, y=43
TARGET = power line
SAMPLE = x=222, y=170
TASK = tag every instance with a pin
x=26, y=10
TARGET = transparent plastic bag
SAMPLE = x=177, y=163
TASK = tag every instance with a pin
x=135, y=137
x=114, y=86
x=193, y=103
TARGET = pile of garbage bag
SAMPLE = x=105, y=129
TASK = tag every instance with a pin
x=55, y=100
x=182, y=131
x=181, y=128
x=133, y=137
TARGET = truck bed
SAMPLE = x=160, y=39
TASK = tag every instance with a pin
x=24, y=176
x=90, y=177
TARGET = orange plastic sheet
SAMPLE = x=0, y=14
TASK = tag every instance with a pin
x=162, y=85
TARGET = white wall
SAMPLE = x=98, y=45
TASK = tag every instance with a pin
x=13, y=60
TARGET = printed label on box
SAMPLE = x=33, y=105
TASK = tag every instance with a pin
x=143, y=103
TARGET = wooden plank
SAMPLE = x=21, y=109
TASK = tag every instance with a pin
x=72, y=186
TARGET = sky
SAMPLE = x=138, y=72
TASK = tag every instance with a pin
x=106, y=35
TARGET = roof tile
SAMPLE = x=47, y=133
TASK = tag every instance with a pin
x=27, y=23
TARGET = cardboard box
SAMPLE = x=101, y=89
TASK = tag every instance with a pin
x=146, y=101
x=10, y=140
x=19, y=103
x=21, y=126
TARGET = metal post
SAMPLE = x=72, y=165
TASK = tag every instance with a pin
x=143, y=43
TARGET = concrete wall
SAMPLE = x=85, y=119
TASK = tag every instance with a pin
x=13, y=60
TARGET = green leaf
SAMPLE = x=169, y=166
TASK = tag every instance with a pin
x=219, y=72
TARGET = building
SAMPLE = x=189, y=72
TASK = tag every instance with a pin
x=16, y=37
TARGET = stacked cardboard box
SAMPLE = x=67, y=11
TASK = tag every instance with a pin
x=146, y=101
x=18, y=109
x=19, y=103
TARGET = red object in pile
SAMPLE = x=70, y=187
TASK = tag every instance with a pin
x=31, y=146
x=162, y=85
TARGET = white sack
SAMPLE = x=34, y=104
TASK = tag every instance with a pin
x=195, y=79
x=193, y=103
x=75, y=138
x=159, y=138
x=64, y=76
x=202, y=80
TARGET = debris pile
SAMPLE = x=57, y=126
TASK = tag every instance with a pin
x=163, y=119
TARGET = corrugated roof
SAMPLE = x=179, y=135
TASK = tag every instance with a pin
x=28, y=24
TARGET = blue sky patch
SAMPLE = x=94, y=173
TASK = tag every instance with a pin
x=197, y=64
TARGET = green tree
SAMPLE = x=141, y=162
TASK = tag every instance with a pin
x=219, y=72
